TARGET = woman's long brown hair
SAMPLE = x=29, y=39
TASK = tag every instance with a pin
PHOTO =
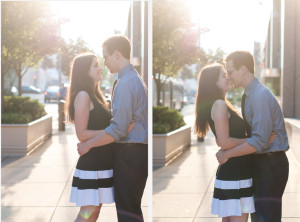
x=208, y=92
x=81, y=81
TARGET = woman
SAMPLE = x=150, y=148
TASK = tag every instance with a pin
x=233, y=193
x=87, y=109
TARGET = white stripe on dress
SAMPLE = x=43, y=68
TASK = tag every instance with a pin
x=92, y=196
x=101, y=174
x=225, y=185
x=232, y=207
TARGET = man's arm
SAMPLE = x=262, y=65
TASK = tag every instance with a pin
x=262, y=122
x=122, y=111
x=118, y=128
x=243, y=149
x=261, y=129
x=101, y=139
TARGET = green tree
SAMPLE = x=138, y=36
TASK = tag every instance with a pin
x=175, y=40
x=187, y=73
x=47, y=63
x=11, y=77
x=29, y=32
x=235, y=95
x=217, y=56
x=68, y=50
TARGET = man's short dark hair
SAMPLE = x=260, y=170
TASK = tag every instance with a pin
x=240, y=58
x=120, y=43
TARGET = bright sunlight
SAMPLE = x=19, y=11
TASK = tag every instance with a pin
x=93, y=21
x=232, y=24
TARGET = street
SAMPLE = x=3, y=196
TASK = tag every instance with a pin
x=188, y=112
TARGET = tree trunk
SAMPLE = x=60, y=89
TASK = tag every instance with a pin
x=18, y=69
x=20, y=84
x=2, y=91
x=158, y=90
x=4, y=70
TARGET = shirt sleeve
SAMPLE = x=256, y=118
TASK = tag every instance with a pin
x=122, y=111
x=262, y=122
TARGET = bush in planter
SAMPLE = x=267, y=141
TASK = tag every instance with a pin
x=166, y=120
x=19, y=109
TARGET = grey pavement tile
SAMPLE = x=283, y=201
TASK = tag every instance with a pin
x=56, y=150
x=31, y=194
x=146, y=214
x=145, y=198
x=290, y=219
x=51, y=151
x=7, y=159
x=176, y=205
x=180, y=185
x=211, y=185
x=58, y=145
x=291, y=205
x=294, y=168
x=52, y=174
x=186, y=219
x=63, y=214
x=195, y=156
x=293, y=185
x=208, y=219
x=199, y=162
x=205, y=209
x=206, y=171
x=32, y=214
x=41, y=161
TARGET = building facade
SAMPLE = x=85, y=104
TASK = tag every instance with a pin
x=282, y=55
x=137, y=32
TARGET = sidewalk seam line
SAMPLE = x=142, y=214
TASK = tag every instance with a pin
x=62, y=193
x=202, y=199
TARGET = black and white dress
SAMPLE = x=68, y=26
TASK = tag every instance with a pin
x=93, y=177
x=233, y=191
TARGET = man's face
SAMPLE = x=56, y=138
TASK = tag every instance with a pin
x=109, y=61
x=234, y=74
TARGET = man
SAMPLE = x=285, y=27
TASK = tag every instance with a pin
x=129, y=102
x=262, y=115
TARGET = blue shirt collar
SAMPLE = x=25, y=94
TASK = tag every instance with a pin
x=251, y=86
x=124, y=70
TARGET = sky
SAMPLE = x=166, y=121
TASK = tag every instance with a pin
x=93, y=21
x=233, y=24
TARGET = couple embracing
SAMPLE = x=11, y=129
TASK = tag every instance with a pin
x=254, y=168
x=113, y=162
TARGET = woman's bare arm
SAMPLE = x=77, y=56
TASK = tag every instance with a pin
x=81, y=117
x=82, y=111
x=220, y=114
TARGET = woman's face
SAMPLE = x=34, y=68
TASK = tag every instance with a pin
x=223, y=82
x=95, y=71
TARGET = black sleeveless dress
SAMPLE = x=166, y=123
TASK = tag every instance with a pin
x=233, y=192
x=93, y=176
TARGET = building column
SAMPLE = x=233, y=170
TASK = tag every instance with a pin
x=288, y=50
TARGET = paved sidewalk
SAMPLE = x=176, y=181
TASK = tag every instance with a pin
x=36, y=188
x=183, y=190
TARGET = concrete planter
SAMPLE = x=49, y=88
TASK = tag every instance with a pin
x=293, y=132
x=19, y=139
x=167, y=147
